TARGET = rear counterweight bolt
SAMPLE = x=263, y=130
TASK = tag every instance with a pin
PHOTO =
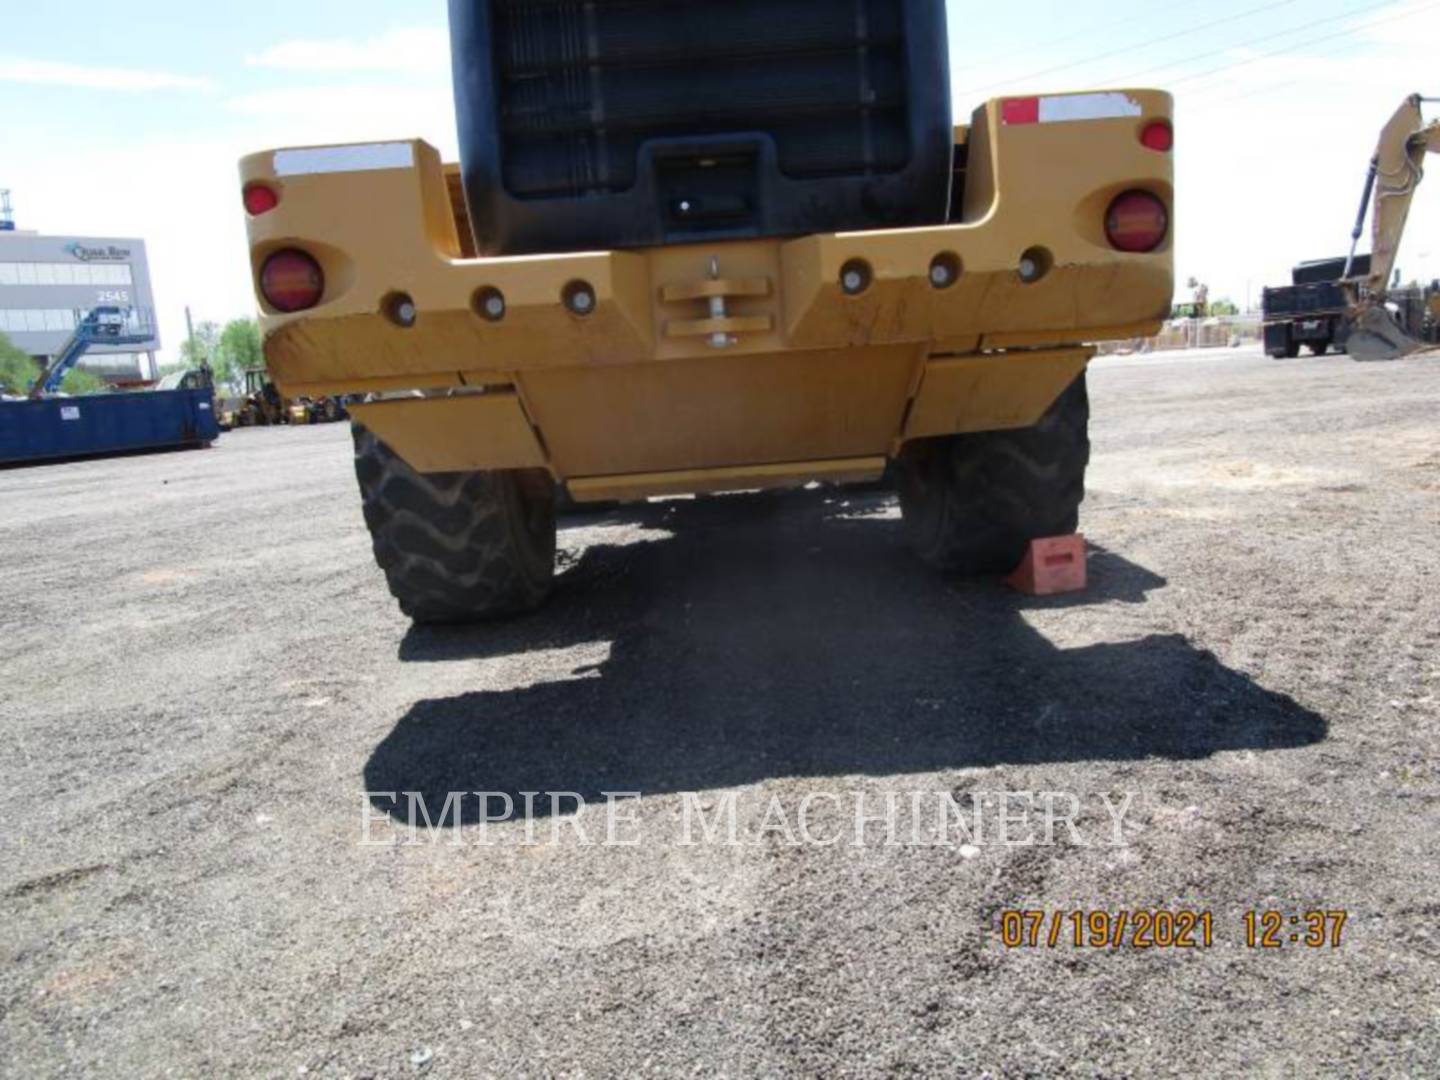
x=1035, y=264
x=402, y=311
x=855, y=277
x=489, y=303
x=945, y=270
x=579, y=298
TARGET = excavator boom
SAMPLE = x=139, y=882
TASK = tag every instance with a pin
x=1400, y=166
x=1395, y=173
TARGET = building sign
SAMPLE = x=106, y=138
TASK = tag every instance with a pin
x=110, y=253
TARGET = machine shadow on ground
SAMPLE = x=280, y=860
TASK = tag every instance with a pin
x=792, y=635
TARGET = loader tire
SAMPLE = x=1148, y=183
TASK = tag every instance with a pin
x=457, y=547
x=973, y=503
x=1319, y=348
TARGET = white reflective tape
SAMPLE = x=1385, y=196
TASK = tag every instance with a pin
x=342, y=159
x=69, y=412
x=1072, y=107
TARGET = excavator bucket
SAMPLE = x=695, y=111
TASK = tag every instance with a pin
x=1377, y=336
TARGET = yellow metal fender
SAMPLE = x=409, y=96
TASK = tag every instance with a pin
x=456, y=434
x=991, y=392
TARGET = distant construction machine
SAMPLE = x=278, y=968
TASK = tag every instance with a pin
x=1383, y=324
x=264, y=406
x=1355, y=302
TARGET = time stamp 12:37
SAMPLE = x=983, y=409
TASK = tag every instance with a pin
x=1260, y=930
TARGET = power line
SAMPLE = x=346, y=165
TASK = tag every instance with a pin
x=1210, y=103
x=1250, y=92
x=1089, y=32
x=1305, y=44
x=1141, y=45
x=1287, y=32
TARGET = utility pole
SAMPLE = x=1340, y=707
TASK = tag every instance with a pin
x=190, y=330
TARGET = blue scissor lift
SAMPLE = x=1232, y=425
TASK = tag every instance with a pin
x=98, y=326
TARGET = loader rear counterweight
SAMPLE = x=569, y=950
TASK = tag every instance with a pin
x=720, y=248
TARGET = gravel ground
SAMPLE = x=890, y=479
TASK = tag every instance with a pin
x=203, y=676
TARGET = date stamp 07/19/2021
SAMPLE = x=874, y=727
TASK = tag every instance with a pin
x=1259, y=930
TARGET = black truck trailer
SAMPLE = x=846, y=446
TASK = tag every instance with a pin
x=1312, y=311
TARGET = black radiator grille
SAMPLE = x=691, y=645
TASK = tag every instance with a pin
x=580, y=86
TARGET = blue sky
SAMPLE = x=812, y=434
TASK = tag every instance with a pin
x=127, y=119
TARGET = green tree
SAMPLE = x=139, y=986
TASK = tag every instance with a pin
x=239, y=349
x=17, y=370
x=18, y=373
x=78, y=382
x=1224, y=306
x=198, y=351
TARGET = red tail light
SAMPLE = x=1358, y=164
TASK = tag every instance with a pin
x=1137, y=222
x=1158, y=136
x=291, y=281
x=260, y=199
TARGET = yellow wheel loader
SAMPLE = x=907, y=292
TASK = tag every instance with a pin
x=261, y=405
x=1382, y=324
x=264, y=406
x=703, y=248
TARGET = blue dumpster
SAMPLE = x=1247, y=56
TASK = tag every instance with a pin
x=60, y=427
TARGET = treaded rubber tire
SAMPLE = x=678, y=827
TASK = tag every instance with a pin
x=1319, y=348
x=973, y=503
x=457, y=547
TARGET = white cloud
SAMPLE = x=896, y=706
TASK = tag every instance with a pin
x=299, y=116
x=55, y=73
x=418, y=49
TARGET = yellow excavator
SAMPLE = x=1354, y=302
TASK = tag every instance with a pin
x=1376, y=333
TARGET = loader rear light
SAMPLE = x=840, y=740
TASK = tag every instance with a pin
x=291, y=281
x=260, y=199
x=1137, y=222
x=1158, y=136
